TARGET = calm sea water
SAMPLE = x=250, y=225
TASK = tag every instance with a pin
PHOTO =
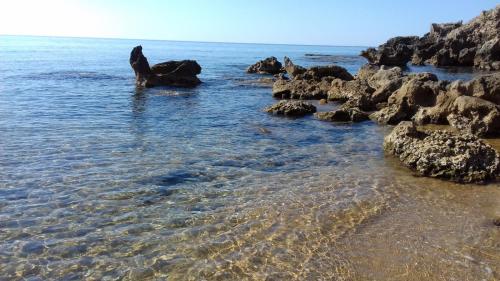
x=100, y=180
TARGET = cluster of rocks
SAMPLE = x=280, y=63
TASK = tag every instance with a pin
x=172, y=73
x=387, y=95
x=475, y=43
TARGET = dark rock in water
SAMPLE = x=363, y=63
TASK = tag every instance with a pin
x=319, y=72
x=476, y=43
x=496, y=221
x=398, y=51
x=270, y=65
x=441, y=154
x=292, y=69
x=352, y=114
x=182, y=68
x=171, y=73
x=291, y=108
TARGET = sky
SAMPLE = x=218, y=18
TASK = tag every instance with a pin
x=313, y=22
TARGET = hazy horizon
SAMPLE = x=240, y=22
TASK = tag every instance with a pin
x=291, y=22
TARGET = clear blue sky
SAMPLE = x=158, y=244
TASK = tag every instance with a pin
x=316, y=22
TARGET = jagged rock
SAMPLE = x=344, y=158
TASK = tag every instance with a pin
x=441, y=154
x=366, y=71
x=354, y=93
x=474, y=115
x=301, y=89
x=292, y=69
x=270, y=65
x=172, y=73
x=420, y=90
x=343, y=114
x=475, y=43
x=291, y=108
x=397, y=51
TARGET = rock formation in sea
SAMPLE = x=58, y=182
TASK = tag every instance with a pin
x=291, y=108
x=171, y=73
x=462, y=158
x=269, y=65
x=476, y=43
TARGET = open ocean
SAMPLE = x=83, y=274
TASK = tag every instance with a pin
x=100, y=180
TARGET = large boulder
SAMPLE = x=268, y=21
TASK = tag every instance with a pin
x=462, y=158
x=270, y=65
x=476, y=116
x=354, y=93
x=292, y=69
x=171, y=73
x=397, y=51
x=419, y=90
x=291, y=108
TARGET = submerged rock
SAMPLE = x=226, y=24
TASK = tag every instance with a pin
x=441, y=154
x=171, y=73
x=291, y=108
x=269, y=65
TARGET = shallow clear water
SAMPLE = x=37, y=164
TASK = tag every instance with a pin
x=100, y=180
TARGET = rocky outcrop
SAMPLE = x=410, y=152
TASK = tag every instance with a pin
x=171, y=73
x=291, y=69
x=476, y=43
x=269, y=65
x=291, y=108
x=343, y=114
x=398, y=51
x=440, y=154
x=476, y=116
x=314, y=83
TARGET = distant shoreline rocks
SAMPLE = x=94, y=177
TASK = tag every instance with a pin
x=171, y=73
x=475, y=44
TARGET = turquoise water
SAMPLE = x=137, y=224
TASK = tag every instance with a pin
x=100, y=180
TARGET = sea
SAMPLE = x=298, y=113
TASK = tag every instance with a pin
x=104, y=180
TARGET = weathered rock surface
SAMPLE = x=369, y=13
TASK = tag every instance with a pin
x=440, y=154
x=474, y=115
x=270, y=65
x=397, y=51
x=292, y=69
x=291, y=108
x=343, y=114
x=171, y=73
x=476, y=43
x=314, y=83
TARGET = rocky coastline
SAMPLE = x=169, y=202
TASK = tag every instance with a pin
x=384, y=92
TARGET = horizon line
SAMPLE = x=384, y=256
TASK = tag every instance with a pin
x=187, y=41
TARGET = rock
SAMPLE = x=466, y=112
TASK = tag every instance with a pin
x=496, y=221
x=270, y=65
x=291, y=108
x=419, y=90
x=319, y=72
x=354, y=93
x=367, y=71
x=475, y=115
x=181, y=68
x=441, y=154
x=171, y=73
x=343, y=114
x=292, y=69
x=301, y=89
x=397, y=51
x=486, y=87
x=323, y=101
